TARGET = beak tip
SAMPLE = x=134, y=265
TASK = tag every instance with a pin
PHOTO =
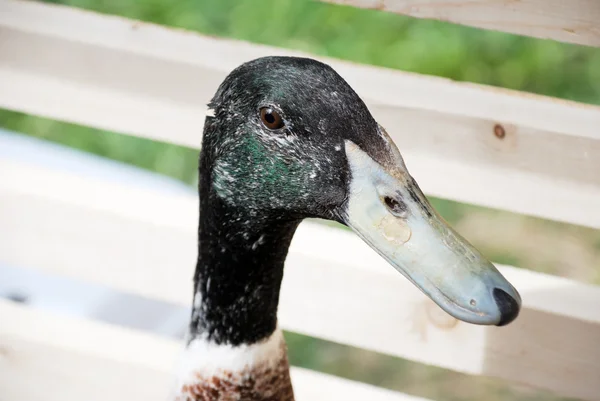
x=509, y=306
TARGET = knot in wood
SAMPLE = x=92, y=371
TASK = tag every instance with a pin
x=499, y=131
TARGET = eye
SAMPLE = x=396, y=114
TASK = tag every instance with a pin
x=270, y=118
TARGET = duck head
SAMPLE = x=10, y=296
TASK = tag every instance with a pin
x=287, y=138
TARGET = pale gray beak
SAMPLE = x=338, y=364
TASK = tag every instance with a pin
x=389, y=212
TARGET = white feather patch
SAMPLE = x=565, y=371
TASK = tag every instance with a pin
x=209, y=359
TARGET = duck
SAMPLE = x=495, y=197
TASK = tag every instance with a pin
x=285, y=139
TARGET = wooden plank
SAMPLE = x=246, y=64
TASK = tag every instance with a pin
x=144, y=242
x=575, y=21
x=73, y=359
x=146, y=80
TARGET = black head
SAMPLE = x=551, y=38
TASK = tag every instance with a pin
x=290, y=139
x=277, y=138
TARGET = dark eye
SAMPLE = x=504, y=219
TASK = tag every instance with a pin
x=270, y=118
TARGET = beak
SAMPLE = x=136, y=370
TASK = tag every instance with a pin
x=386, y=208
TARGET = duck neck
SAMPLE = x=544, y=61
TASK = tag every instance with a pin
x=235, y=349
x=238, y=274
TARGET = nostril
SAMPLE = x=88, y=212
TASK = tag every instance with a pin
x=509, y=307
x=396, y=207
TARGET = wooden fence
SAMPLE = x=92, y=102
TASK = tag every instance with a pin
x=542, y=154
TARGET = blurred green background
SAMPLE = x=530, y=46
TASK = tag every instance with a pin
x=394, y=41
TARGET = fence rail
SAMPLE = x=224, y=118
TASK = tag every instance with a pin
x=575, y=21
x=542, y=154
x=82, y=359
